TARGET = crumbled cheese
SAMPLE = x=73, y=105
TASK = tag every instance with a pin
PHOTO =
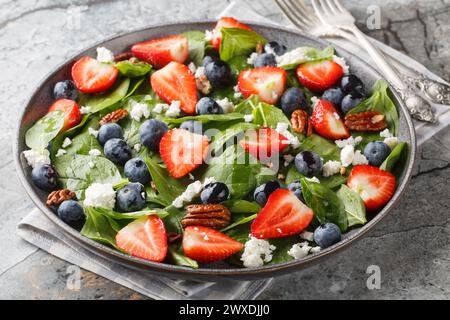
x=37, y=158
x=315, y=249
x=174, y=109
x=288, y=158
x=256, y=252
x=67, y=142
x=306, y=235
x=226, y=105
x=93, y=132
x=160, y=108
x=237, y=92
x=282, y=128
x=330, y=168
x=248, y=118
x=292, y=57
x=341, y=61
x=137, y=147
x=347, y=154
x=270, y=50
x=139, y=110
x=350, y=141
x=359, y=159
x=85, y=110
x=209, y=35
x=313, y=179
x=252, y=58
x=192, y=67
x=100, y=195
x=299, y=250
x=391, y=142
x=104, y=55
x=91, y=164
x=199, y=72
x=191, y=192
x=95, y=152
x=60, y=153
x=314, y=102
x=386, y=134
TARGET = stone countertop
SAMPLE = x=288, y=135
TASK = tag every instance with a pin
x=411, y=246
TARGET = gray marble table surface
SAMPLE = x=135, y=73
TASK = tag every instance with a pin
x=411, y=246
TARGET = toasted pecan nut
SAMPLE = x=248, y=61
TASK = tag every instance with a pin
x=59, y=196
x=114, y=116
x=123, y=56
x=173, y=237
x=259, y=47
x=366, y=121
x=309, y=131
x=299, y=121
x=207, y=215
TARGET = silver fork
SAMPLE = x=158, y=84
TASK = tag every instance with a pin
x=304, y=18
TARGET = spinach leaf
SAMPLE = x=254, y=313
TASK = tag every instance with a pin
x=242, y=206
x=268, y=115
x=84, y=141
x=99, y=227
x=238, y=42
x=44, y=130
x=283, y=245
x=104, y=100
x=230, y=135
x=238, y=64
x=303, y=55
x=396, y=154
x=325, y=204
x=248, y=105
x=323, y=147
x=240, y=222
x=205, y=118
x=173, y=220
x=134, y=84
x=354, y=206
x=133, y=69
x=330, y=182
x=131, y=215
x=196, y=43
x=175, y=256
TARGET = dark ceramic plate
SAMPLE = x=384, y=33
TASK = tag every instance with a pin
x=42, y=98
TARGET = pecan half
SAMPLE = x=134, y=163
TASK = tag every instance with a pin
x=114, y=116
x=309, y=131
x=123, y=56
x=203, y=84
x=366, y=121
x=207, y=215
x=301, y=122
x=259, y=47
x=59, y=196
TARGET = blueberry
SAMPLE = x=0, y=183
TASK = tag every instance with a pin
x=109, y=131
x=296, y=188
x=327, y=234
x=206, y=60
x=293, y=99
x=65, y=90
x=45, y=177
x=351, y=100
x=263, y=192
x=192, y=126
x=275, y=47
x=117, y=151
x=71, y=212
x=350, y=83
x=334, y=95
x=207, y=105
x=137, y=171
x=376, y=152
x=264, y=60
x=131, y=197
x=151, y=133
x=216, y=192
x=219, y=74
x=308, y=163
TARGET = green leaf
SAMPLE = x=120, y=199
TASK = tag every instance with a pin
x=330, y=182
x=354, y=206
x=132, y=215
x=44, y=130
x=99, y=227
x=248, y=105
x=239, y=222
x=175, y=256
x=205, y=118
x=396, y=154
x=242, y=206
x=104, y=100
x=323, y=147
x=325, y=204
x=306, y=54
x=196, y=43
x=230, y=135
x=238, y=42
x=134, y=84
x=173, y=220
x=133, y=69
x=268, y=115
x=239, y=64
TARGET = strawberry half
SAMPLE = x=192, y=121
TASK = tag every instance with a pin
x=208, y=245
x=266, y=82
x=375, y=186
x=320, y=75
x=160, y=52
x=175, y=82
x=92, y=76
x=72, y=114
x=327, y=122
x=283, y=215
x=144, y=238
x=226, y=22
x=263, y=143
x=182, y=151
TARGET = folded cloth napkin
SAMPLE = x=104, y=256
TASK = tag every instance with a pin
x=40, y=231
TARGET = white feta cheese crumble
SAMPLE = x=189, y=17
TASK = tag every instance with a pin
x=237, y=93
x=100, y=195
x=191, y=192
x=282, y=128
x=248, y=118
x=104, y=55
x=160, y=108
x=256, y=252
x=209, y=35
x=95, y=152
x=359, y=159
x=330, y=168
x=85, y=110
x=347, y=154
x=139, y=110
x=91, y=164
x=315, y=249
x=67, y=142
x=174, y=109
x=93, y=132
x=313, y=179
x=391, y=142
x=288, y=158
x=291, y=57
x=252, y=58
x=60, y=153
x=192, y=67
x=199, y=72
x=314, y=102
x=386, y=134
x=299, y=250
x=350, y=141
x=341, y=61
x=37, y=158
x=306, y=235
x=137, y=147
x=226, y=105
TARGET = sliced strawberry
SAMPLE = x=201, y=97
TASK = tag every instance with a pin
x=226, y=22
x=375, y=186
x=175, y=82
x=160, y=52
x=72, y=114
x=182, y=151
x=327, y=122
x=267, y=82
x=92, y=76
x=283, y=215
x=208, y=245
x=144, y=238
x=319, y=76
x=263, y=143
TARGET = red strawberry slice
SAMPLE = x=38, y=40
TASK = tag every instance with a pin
x=208, y=245
x=327, y=122
x=267, y=82
x=226, y=22
x=72, y=114
x=160, y=52
x=144, y=238
x=283, y=215
x=175, y=82
x=92, y=76
x=319, y=76
x=182, y=151
x=375, y=186
x=263, y=143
